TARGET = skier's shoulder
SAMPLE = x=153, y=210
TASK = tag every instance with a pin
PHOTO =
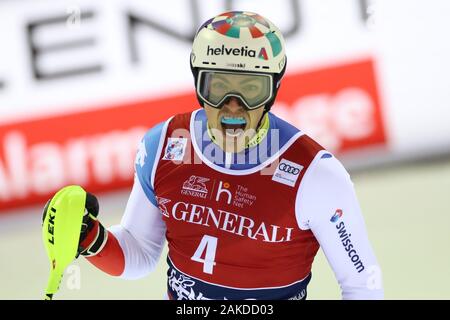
x=154, y=133
x=290, y=135
x=286, y=129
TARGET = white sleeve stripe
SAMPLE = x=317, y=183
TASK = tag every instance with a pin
x=302, y=222
x=158, y=152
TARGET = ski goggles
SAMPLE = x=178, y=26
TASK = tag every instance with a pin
x=253, y=89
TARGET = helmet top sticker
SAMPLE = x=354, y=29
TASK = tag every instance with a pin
x=231, y=24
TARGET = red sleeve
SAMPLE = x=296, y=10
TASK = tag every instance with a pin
x=111, y=258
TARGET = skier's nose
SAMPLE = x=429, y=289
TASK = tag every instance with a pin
x=233, y=105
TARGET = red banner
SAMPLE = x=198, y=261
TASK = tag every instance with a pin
x=94, y=149
x=338, y=106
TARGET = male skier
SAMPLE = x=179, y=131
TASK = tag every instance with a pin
x=243, y=198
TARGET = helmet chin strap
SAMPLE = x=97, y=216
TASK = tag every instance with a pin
x=262, y=117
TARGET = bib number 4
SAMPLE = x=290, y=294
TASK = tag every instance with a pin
x=206, y=249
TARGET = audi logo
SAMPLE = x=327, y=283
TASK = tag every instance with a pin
x=289, y=169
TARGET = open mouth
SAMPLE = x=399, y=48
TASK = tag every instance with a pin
x=233, y=126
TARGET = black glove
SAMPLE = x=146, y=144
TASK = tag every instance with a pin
x=93, y=235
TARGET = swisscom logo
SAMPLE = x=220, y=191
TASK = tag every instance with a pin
x=346, y=239
x=337, y=215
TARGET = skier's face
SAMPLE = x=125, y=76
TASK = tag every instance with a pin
x=233, y=125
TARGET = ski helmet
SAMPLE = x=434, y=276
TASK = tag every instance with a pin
x=238, y=43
